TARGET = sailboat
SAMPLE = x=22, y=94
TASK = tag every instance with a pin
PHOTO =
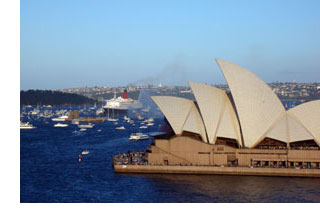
x=111, y=119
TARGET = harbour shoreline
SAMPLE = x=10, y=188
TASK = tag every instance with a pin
x=215, y=170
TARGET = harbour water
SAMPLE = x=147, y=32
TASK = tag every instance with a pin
x=50, y=172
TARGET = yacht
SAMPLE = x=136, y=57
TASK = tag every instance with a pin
x=100, y=111
x=138, y=136
x=26, y=125
x=60, y=125
x=61, y=118
x=35, y=111
x=112, y=119
x=75, y=121
x=150, y=120
x=90, y=125
x=126, y=118
x=140, y=118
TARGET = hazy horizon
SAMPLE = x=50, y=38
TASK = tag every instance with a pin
x=66, y=44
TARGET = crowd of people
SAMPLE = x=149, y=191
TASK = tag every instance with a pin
x=130, y=158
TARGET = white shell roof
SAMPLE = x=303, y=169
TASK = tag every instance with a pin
x=308, y=115
x=217, y=112
x=182, y=114
x=288, y=130
x=257, y=105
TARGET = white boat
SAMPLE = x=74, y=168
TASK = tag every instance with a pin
x=61, y=118
x=94, y=107
x=60, y=125
x=138, y=136
x=120, y=128
x=85, y=152
x=75, y=121
x=83, y=129
x=143, y=126
x=35, y=112
x=100, y=111
x=26, y=125
x=121, y=104
x=112, y=119
x=150, y=120
x=150, y=124
x=126, y=118
x=90, y=125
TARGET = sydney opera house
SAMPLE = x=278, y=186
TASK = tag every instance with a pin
x=245, y=131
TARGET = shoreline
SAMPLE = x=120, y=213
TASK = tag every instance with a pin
x=214, y=170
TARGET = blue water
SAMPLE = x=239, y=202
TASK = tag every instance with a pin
x=50, y=172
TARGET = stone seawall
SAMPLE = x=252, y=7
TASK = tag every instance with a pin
x=217, y=170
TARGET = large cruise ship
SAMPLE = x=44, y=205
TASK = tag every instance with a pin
x=121, y=105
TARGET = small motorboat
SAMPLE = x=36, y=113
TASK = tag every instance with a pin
x=85, y=152
x=83, y=129
x=143, y=127
x=61, y=118
x=112, y=119
x=60, y=125
x=126, y=118
x=90, y=125
x=26, y=125
x=75, y=121
x=120, y=128
x=138, y=136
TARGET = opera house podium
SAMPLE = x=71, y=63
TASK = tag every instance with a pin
x=246, y=131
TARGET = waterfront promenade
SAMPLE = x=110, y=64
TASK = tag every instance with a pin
x=257, y=171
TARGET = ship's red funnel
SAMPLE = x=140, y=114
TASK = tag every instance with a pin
x=125, y=94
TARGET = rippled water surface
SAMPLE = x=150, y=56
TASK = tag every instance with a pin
x=50, y=172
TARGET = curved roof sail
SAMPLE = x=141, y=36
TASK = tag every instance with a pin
x=280, y=130
x=289, y=130
x=258, y=107
x=217, y=112
x=182, y=114
x=308, y=115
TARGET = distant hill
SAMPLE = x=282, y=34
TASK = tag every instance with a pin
x=48, y=97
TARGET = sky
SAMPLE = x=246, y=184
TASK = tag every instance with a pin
x=71, y=44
